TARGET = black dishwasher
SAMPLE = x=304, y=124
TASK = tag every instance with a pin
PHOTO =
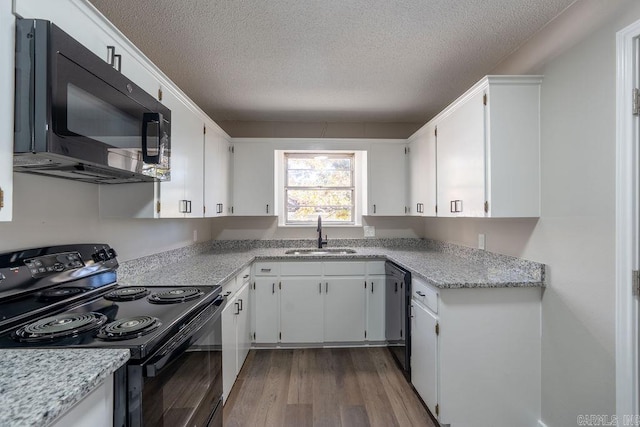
x=397, y=324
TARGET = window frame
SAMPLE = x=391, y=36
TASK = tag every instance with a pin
x=310, y=155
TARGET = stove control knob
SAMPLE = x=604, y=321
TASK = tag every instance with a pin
x=112, y=253
x=58, y=266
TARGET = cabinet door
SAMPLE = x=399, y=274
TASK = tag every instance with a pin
x=216, y=167
x=243, y=326
x=7, y=48
x=229, y=346
x=375, y=308
x=301, y=314
x=187, y=178
x=424, y=355
x=267, y=309
x=388, y=174
x=461, y=160
x=344, y=309
x=253, y=179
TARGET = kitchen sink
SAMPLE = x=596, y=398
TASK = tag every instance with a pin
x=317, y=251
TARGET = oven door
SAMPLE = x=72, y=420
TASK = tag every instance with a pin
x=182, y=384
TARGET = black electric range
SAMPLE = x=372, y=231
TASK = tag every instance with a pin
x=68, y=297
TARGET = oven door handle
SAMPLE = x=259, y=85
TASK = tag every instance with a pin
x=189, y=334
x=148, y=118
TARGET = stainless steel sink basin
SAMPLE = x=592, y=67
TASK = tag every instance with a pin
x=316, y=251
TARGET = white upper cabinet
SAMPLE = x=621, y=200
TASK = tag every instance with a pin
x=422, y=172
x=387, y=182
x=488, y=150
x=183, y=195
x=7, y=40
x=217, y=171
x=253, y=179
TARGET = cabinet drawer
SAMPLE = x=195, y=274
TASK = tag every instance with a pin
x=244, y=276
x=229, y=290
x=344, y=268
x=269, y=268
x=375, y=267
x=424, y=294
x=301, y=268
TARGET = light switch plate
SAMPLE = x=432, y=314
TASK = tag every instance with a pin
x=481, y=241
x=369, y=231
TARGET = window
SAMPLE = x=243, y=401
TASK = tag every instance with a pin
x=319, y=184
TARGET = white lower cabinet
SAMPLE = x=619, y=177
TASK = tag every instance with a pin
x=344, y=309
x=235, y=336
x=310, y=302
x=95, y=409
x=301, y=310
x=266, y=310
x=424, y=354
x=473, y=350
x=375, y=308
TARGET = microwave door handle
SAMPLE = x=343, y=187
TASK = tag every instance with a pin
x=148, y=118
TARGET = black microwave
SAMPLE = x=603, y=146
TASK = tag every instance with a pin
x=77, y=117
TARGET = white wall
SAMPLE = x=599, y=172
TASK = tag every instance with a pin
x=575, y=233
x=262, y=228
x=56, y=211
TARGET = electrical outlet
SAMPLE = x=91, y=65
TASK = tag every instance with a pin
x=481, y=241
x=369, y=231
x=195, y=235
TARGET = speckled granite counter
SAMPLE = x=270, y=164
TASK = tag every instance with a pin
x=443, y=265
x=37, y=386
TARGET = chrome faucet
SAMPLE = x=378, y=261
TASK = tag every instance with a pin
x=321, y=242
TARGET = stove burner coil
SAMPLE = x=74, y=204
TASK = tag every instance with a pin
x=59, y=293
x=175, y=296
x=60, y=326
x=132, y=327
x=127, y=294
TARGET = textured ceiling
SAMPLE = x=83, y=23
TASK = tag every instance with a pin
x=327, y=60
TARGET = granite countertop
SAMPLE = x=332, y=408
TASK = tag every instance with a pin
x=37, y=386
x=445, y=269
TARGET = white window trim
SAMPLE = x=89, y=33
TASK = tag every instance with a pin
x=360, y=160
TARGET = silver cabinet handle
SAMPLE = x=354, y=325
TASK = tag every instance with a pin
x=420, y=293
x=374, y=208
x=265, y=270
x=239, y=300
x=319, y=288
x=273, y=288
x=326, y=288
x=371, y=287
x=245, y=276
x=267, y=208
x=237, y=308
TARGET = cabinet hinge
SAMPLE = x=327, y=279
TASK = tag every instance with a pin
x=635, y=274
x=406, y=150
x=204, y=130
x=232, y=149
x=635, y=101
x=437, y=328
x=486, y=207
x=437, y=410
x=158, y=207
x=435, y=132
x=1, y=198
x=484, y=99
x=159, y=94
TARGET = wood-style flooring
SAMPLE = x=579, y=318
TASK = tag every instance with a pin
x=334, y=387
